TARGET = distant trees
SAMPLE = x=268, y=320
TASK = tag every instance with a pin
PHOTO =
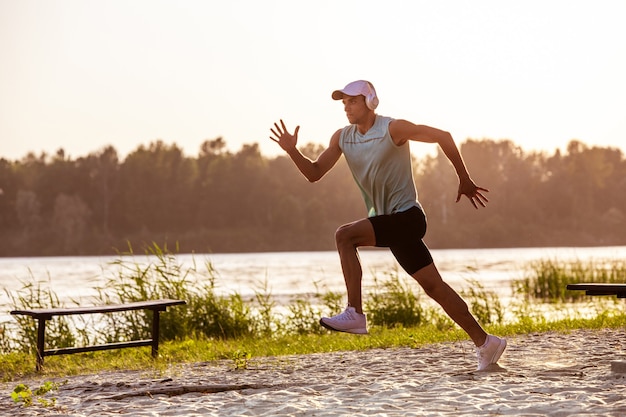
x=221, y=201
x=535, y=199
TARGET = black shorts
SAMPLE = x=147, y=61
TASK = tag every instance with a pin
x=402, y=233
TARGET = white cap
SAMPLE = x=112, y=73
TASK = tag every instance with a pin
x=359, y=88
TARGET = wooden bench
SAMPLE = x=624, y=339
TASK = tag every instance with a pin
x=600, y=289
x=43, y=314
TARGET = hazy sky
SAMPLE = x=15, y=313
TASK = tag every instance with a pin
x=80, y=75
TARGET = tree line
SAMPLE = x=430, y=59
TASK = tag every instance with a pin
x=222, y=201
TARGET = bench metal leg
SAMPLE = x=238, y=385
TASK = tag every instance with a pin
x=155, y=333
x=41, y=342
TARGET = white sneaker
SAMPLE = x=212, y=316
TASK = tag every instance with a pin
x=349, y=321
x=490, y=352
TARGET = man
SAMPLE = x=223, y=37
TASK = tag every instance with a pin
x=377, y=151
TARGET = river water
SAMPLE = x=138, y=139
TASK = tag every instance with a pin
x=287, y=273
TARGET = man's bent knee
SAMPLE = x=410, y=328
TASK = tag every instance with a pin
x=359, y=233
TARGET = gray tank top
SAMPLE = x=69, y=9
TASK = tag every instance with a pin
x=381, y=169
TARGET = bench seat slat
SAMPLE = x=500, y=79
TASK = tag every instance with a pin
x=600, y=289
x=160, y=305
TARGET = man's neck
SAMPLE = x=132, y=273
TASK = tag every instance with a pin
x=367, y=124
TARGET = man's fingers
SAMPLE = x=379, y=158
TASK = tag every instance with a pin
x=476, y=197
x=282, y=136
x=282, y=129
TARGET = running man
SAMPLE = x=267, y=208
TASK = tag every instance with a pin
x=377, y=151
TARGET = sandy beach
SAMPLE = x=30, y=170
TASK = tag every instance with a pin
x=547, y=374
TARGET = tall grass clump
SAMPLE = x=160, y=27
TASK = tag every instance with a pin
x=546, y=280
x=159, y=276
x=392, y=302
x=206, y=314
x=304, y=313
x=300, y=316
x=24, y=338
x=484, y=305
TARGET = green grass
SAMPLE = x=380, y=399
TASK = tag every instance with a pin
x=238, y=351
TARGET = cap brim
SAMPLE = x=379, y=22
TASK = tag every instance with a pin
x=337, y=95
x=351, y=90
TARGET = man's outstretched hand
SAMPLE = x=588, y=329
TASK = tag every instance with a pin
x=286, y=140
x=473, y=192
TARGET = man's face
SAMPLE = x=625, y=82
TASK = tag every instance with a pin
x=355, y=108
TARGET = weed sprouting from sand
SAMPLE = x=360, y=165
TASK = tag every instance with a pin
x=241, y=359
x=23, y=394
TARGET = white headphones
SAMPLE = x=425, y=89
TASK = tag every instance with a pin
x=371, y=99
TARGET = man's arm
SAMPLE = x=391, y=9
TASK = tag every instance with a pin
x=402, y=131
x=312, y=170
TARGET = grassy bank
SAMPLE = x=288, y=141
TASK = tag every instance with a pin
x=212, y=326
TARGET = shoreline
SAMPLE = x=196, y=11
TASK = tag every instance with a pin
x=555, y=374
